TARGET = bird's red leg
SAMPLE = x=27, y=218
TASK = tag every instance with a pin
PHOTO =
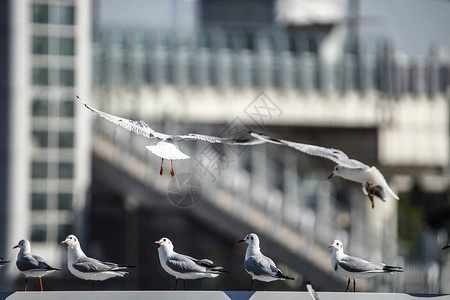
x=92, y=285
x=161, y=171
x=40, y=281
x=85, y=285
x=184, y=284
x=26, y=281
x=251, y=284
x=348, y=283
x=176, y=281
x=172, y=173
x=371, y=195
x=265, y=286
x=354, y=285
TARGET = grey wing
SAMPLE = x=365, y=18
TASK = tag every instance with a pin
x=336, y=155
x=89, y=265
x=217, y=140
x=260, y=266
x=140, y=127
x=184, y=264
x=27, y=262
x=42, y=264
x=357, y=265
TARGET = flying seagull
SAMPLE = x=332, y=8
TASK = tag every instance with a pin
x=88, y=268
x=167, y=146
x=31, y=265
x=185, y=267
x=353, y=267
x=260, y=267
x=373, y=182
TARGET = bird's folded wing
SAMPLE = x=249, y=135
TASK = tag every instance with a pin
x=260, y=265
x=183, y=264
x=140, y=127
x=88, y=265
x=27, y=262
x=358, y=265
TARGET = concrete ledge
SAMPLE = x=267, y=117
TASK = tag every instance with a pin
x=207, y=295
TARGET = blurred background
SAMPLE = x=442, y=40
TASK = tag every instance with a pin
x=368, y=77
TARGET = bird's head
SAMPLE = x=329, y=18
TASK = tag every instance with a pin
x=165, y=243
x=336, y=171
x=24, y=245
x=71, y=241
x=336, y=245
x=251, y=239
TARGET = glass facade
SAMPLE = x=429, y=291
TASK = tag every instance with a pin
x=52, y=108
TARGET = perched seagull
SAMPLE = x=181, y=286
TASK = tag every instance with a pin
x=373, y=182
x=354, y=267
x=31, y=265
x=445, y=247
x=88, y=268
x=260, y=267
x=312, y=291
x=167, y=147
x=185, y=267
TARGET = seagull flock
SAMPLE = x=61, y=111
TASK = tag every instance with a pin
x=256, y=264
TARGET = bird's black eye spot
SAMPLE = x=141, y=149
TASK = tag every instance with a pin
x=251, y=238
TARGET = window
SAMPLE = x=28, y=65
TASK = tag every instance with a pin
x=40, y=139
x=66, y=77
x=40, y=13
x=65, y=170
x=65, y=201
x=54, y=14
x=38, y=201
x=38, y=233
x=66, y=108
x=66, y=139
x=39, y=170
x=40, y=76
x=66, y=15
x=40, y=108
x=66, y=46
x=40, y=45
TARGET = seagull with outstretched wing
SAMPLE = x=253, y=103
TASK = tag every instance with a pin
x=167, y=146
x=373, y=182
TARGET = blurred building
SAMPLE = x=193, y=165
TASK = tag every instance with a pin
x=278, y=66
x=45, y=153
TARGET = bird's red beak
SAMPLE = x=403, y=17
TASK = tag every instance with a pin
x=241, y=241
x=448, y=246
x=331, y=246
x=63, y=242
x=331, y=175
x=157, y=242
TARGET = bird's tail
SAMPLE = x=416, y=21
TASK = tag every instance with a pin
x=218, y=269
x=282, y=276
x=393, y=269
